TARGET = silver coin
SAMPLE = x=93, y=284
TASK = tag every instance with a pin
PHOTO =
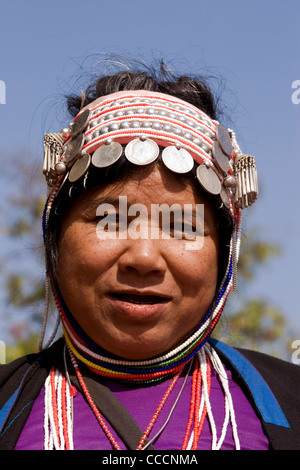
x=177, y=160
x=224, y=139
x=79, y=168
x=73, y=149
x=107, y=154
x=142, y=152
x=225, y=197
x=208, y=179
x=221, y=157
x=80, y=123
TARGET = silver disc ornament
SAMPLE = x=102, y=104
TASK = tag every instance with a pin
x=224, y=139
x=208, y=179
x=225, y=197
x=80, y=123
x=79, y=168
x=107, y=154
x=221, y=157
x=73, y=149
x=177, y=160
x=142, y=151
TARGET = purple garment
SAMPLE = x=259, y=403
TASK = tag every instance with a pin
x=142, y=403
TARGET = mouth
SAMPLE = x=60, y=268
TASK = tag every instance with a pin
x=138, y=306
x=139, y=298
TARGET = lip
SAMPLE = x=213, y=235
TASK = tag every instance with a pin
x=139, y=304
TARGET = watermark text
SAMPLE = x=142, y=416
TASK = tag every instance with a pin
x=161, y=222
x=2, y=352
x=296, y=93
x=159, y=458
x=296, y=354
x=2, y=92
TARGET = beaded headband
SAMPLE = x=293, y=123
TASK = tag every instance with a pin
x=137, y=124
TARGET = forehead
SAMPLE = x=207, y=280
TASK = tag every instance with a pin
x=148, y=185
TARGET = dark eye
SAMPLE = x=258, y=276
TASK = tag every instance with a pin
x=111, y=222
x=106, y=222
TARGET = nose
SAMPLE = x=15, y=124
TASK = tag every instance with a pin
x=143, y=257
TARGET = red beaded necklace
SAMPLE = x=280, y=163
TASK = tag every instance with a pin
x=195, y=406
x=100, y=417
x=193, y=420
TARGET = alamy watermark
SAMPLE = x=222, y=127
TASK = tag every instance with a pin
x=162, y=222
x=296, y=93
x=2, y=352
x=2, y=92
x=296, y=354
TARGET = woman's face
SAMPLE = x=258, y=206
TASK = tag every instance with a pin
x=134, y=293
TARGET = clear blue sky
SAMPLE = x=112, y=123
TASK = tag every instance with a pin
x=252, y=45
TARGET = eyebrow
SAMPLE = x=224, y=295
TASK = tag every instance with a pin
x=115, y=201
x=102, y=200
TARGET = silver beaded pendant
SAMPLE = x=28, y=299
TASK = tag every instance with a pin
x=247, y=185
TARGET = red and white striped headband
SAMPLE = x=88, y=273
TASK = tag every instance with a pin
x=138, y=123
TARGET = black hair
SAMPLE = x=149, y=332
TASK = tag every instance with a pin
x=161, y=80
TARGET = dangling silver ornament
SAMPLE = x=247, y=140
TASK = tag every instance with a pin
x=177, y=160
x=107, y=154
x=208, y=179
x=142, y=151
x=79, y=168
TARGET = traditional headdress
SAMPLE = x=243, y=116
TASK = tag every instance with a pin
x=143, y=121
x=140, y=126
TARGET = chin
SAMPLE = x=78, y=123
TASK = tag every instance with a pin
x=139, y=347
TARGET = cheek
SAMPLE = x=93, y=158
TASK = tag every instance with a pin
x=198, y=267
x=84, y=259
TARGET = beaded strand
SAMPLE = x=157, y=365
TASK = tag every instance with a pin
x=198, y=409
x=157, y=412
x=58, y=416
x=230, y=414
x=58, y=425
x=100, y=418
x=92, y=404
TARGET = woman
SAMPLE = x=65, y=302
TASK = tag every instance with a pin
x=142, y=232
